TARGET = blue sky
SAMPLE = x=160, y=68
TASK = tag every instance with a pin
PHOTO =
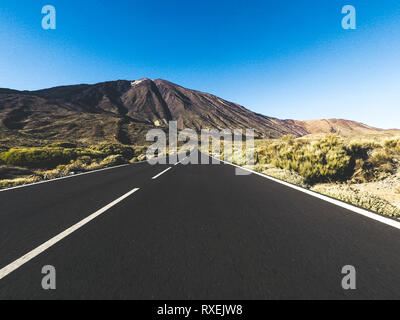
x=286, y=58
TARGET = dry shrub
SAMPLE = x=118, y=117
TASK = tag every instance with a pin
x=319, y=161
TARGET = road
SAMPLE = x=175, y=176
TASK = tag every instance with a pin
x=193, y=232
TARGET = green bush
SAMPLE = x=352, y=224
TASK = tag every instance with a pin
x=332, y=159
x=393, y=146
x=62, y=154
x=114, y=160
x=379, y=164
x=110, y=149
x=38, y=157
x=320, y=161
x=361, y=150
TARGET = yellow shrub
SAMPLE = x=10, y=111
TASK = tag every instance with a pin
x=323, y=160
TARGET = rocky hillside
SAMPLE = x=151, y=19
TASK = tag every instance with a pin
x=122, y=111
x=340, y=127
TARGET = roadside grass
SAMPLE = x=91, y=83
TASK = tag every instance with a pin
x=361, y=199
x=333, y=166
x=282, y=174
x=9, y=183
x=19, y=166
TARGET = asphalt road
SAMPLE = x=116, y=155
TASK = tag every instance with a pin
x=195, y=232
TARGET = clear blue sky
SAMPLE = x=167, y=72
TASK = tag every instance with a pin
x=286, y=58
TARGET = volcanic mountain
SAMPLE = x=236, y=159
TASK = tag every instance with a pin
x=122, y=111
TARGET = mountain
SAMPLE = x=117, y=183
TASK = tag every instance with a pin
x=158, y=102
x=339, y=126
x=198, y=110
x=123, y=111
x=83, y=113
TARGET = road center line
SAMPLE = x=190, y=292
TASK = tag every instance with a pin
x=160, y=174
x=34, y=253
x=181, y=161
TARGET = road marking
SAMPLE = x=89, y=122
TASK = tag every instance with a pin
x=181, y=161
x=185, y=158
x=34, y=253
x=178, y=162
x=71, y=176
x=160, y=174
x=67, y=177
x=363, y=212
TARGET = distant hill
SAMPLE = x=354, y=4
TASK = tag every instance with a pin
x=339, y=126
x=123, y=111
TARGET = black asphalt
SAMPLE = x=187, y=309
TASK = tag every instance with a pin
x=196, y=232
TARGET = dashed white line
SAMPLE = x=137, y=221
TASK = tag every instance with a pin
x=34, y=253
x=181, y=161
x=160, y=174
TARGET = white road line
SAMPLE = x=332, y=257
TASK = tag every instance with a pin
x=62, y=178
x=71, y=176
x=180, y=161
x=160, y=174
x=363, y=212
x=34, y=253
x=185, y=158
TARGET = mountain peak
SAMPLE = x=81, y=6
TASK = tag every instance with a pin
x=141, y=81
x=146, y=101
x=120, y=110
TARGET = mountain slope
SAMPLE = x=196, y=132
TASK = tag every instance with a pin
x=338, y=126
x=198, y=110
x=123, y=111
x=27, y=119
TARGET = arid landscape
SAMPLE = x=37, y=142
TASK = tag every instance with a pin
x=199, y=156
x=360, y=170
x=61, y=131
